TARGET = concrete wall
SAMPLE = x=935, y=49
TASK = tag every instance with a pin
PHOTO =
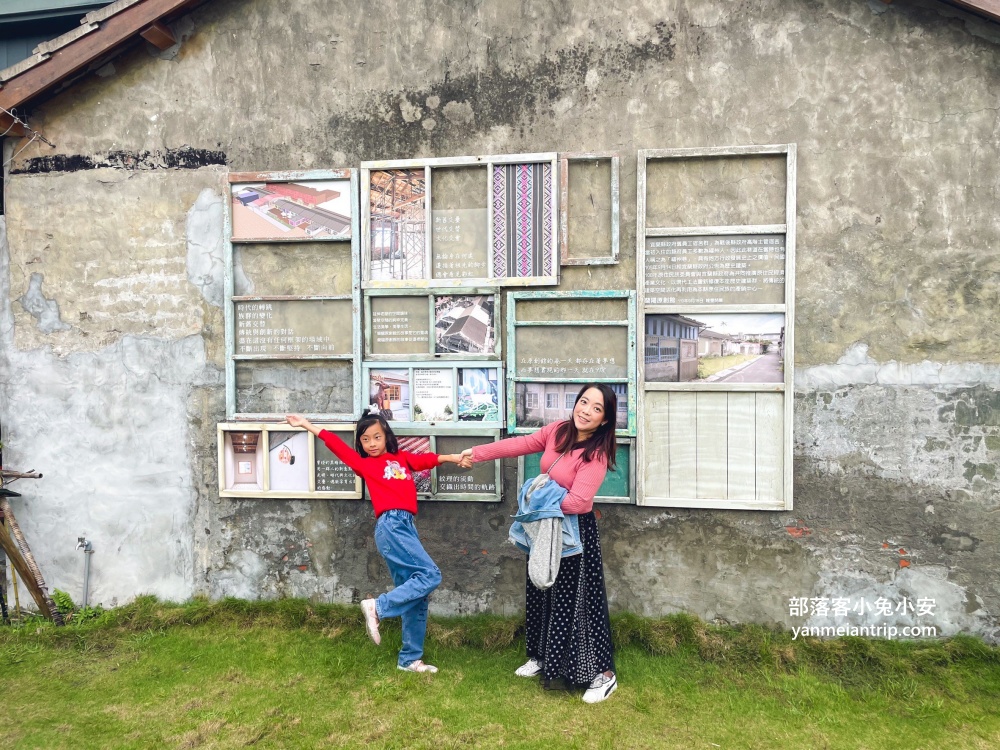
x=111, y=330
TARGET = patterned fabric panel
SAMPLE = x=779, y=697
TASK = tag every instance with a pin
x=522, y=220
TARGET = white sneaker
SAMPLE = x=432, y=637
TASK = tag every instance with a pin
x=600, y=688
x=529, y=669
x=418, y=666
x=371, y=620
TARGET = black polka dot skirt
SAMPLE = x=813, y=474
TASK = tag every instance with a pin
x=567, y=626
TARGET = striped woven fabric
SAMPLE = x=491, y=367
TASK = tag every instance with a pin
x=522, y=220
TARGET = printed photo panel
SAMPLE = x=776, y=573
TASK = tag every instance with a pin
x=389, y=392
x=283, y=211
x=715, y=348
x=244, y=461
x=579, y=351
x=418, y=444
x=332, y=474
x=400, y=325
x=465, y=324
x=288, y=461
x=454, y=480
x=397, y=208
x=539, y=404
x=736, y=269
x=294, y=327
x=524, y=242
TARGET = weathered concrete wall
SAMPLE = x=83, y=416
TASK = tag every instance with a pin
x=115, y=285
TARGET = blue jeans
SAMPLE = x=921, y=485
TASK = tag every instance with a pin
x=415, y=576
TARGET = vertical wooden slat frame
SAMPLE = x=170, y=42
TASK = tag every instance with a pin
x=229, y=286
x=764, y=411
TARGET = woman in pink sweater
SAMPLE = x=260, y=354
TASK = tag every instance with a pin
x=568, y=632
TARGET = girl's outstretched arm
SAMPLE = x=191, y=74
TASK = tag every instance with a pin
x=297, y=420
x=337, y=446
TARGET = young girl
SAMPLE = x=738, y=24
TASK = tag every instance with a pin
x=388, y=474
x=568, y=632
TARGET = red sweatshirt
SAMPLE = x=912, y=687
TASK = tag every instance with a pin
x=389, y=477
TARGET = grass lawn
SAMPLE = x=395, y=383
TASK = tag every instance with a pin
x=294, y=675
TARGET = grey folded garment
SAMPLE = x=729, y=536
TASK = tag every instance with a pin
x=546, y=551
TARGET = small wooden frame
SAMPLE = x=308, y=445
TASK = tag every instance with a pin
x=447, y=482
x=566, y=218
x=472, y=335
x=269, y=473
x=440, y=391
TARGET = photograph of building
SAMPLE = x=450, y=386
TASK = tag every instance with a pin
x=539, y=404
x=292, y=210
x=464, y=325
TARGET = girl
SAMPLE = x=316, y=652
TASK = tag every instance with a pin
x=568, y=631
x=388, y=474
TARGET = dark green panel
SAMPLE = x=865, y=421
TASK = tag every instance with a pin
x=616, y=483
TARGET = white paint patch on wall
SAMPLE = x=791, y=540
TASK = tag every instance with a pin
x=109, y=430
x=857, y=368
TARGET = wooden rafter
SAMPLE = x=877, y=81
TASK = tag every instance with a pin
x=143, y=17
x=988, y=8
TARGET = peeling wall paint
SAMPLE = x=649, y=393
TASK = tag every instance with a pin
x=112, y=335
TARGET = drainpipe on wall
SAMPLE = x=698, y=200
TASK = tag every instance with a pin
x=88, y=550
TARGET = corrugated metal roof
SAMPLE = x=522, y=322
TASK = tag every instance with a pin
x=19, y=11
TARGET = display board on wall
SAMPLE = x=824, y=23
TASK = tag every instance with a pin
x=447, y=395
x=276, y=340
x=716, y=282
x=463, y=221
x=449, y=482
x=557, y=342
x=432, y=324
x=266, y=460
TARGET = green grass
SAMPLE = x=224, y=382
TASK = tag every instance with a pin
x=708, y=366
x=290, y=674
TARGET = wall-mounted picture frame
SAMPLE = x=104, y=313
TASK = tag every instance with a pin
x=449, y=482
x=446, y=395
x=432, y=324
x=274, y=216
x=290, y=210
x=590, y=206
x=277, y=461
x=461, y=221
x=559, y=341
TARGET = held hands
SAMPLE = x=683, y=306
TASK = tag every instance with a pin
x=463, y=459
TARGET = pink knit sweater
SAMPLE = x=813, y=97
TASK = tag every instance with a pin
x=581, y=478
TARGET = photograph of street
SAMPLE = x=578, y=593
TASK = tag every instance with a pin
x=715, y=348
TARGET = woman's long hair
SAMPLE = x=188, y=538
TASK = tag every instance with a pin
x=602, y=442
x=366, y=421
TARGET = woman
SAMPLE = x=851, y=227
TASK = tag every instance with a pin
x=568, y=632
